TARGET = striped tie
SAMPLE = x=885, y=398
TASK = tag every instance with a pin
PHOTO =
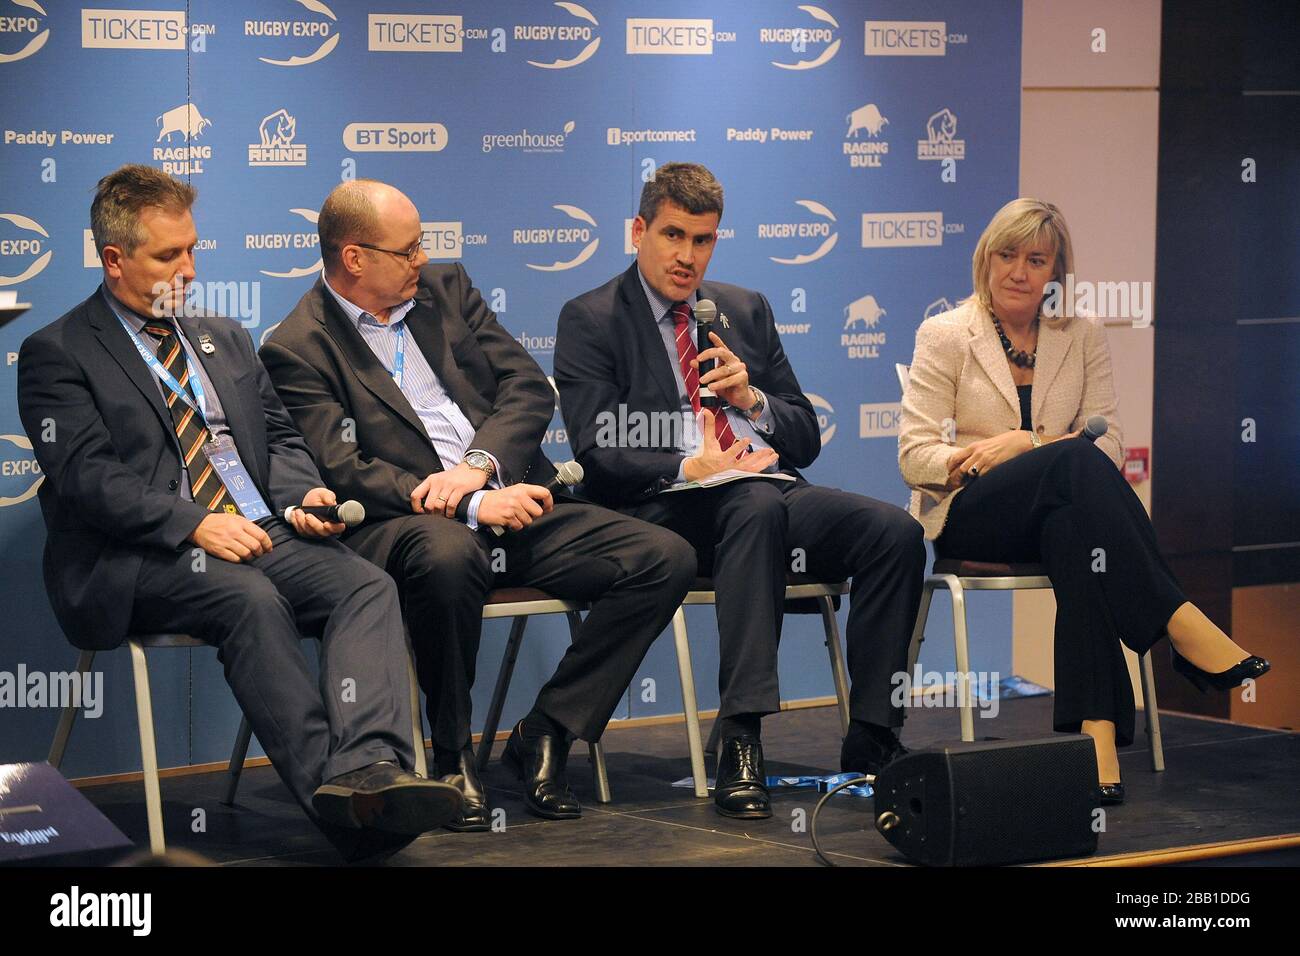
x=205, y=487
x=686, y=354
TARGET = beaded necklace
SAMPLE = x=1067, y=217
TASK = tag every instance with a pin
x=1023, y=359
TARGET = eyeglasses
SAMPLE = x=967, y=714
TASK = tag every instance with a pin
x=409, y=254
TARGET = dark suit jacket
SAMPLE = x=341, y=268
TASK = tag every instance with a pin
x=112, y=470
x=608, y=352
x=326, y=373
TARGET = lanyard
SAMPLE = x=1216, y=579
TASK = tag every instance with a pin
x=399, y=356
x=167, y=378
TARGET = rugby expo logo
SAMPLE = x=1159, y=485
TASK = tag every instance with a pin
x=941, y=140
x=414, y=33
x=275, y=241
x=887, y=230
x=186, y=159
x=583, y=233
x=277, y=146
x=657, y=35
x=423, y=137
x=529, y=142
x=566, y=34
x=800, y=39
x=822, y=228
x=910, y=38
x=21, y=247
x=20, y=475
x=447, y=240
x=865, y=152
x=23, y=26
x=825, y=417
x=301, y=34
x=861, y=338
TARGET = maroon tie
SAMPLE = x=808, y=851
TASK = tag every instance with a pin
x=686, y=354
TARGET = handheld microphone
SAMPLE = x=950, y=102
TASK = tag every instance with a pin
x=567, y=474
x=350, y=513
x=1095, y=427
x=706, y=313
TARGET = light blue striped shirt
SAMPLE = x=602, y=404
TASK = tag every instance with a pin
x=448, y=429
x=741, y=427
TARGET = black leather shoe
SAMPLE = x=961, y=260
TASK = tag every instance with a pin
x=385, y=797
x=740, y=790
x=459, y=771
x=1111, y=794
x=867, y=755
x=1249, y=669
x=540, y=765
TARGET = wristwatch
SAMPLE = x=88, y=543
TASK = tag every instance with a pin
x=755, y=410
x=1035, y=439
x=481, y=461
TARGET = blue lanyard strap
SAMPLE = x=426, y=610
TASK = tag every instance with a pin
x=167, y=378
x=399, y=355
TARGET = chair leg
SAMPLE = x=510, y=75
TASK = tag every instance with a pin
x=598, y=771
x=687, y=675
x=148, y=747
x=964, y=703
x=838, y=671
x=1153, y=712
x=417, y=720
x=69, y=715
x=498, y=703
x=237, y=756
x=918, y=631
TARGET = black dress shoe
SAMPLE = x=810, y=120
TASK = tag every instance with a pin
x=460, y=771
x=1111, y=794
x=1249, y=669
x=740, y=790
x=540, y=765
x=385, y=797
x=868, y=755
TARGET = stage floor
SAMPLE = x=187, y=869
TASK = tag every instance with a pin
x=1223, y=783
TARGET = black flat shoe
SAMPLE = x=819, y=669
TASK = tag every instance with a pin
x=460, y=771
x=1251, y=668
x=540, y=765
x=740, y=790
x=385, y=797
x=1110, y=794
x=867, y=755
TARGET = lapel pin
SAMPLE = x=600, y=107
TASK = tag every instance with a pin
x=205, y=344
x=725, y=324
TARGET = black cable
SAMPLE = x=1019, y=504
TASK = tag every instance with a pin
x=870, y=779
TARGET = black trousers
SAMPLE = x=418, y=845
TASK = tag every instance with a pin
x=253, y=612
x=634, y=574
x=749, y=534
x=1066, y=506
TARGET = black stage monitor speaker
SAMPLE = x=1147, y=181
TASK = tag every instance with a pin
x=987, y=804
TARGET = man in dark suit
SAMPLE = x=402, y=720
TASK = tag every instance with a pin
x=168, y=461
x=420, y=405
x=626, y=352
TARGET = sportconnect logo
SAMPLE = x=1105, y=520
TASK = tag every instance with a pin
x=568, y=33
x=583, y=232
x=822, y=228
x=25, y=25
x=799, y=39
x=23, y=246
x=301, y=32
x=617, y=136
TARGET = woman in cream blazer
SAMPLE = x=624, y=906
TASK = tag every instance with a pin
x=990, y=442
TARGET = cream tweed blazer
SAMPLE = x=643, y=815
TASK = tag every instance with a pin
x=960, y=390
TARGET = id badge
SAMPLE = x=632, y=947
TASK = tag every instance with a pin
x=232, y=473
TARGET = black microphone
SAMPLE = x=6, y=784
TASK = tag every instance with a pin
x=1095, y=427
x=349, y=513
x=706, y=313
x=567, y=474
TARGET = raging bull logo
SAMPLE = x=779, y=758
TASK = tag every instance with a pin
x=860, y=317
x=865, y=153
x=187, y=157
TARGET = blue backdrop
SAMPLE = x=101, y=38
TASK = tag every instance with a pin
x=862, y=148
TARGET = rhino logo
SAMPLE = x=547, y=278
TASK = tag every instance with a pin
x=186, y=120
x=278, y=129
x=865, y=311
x=942, y=126
x=865, y=117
